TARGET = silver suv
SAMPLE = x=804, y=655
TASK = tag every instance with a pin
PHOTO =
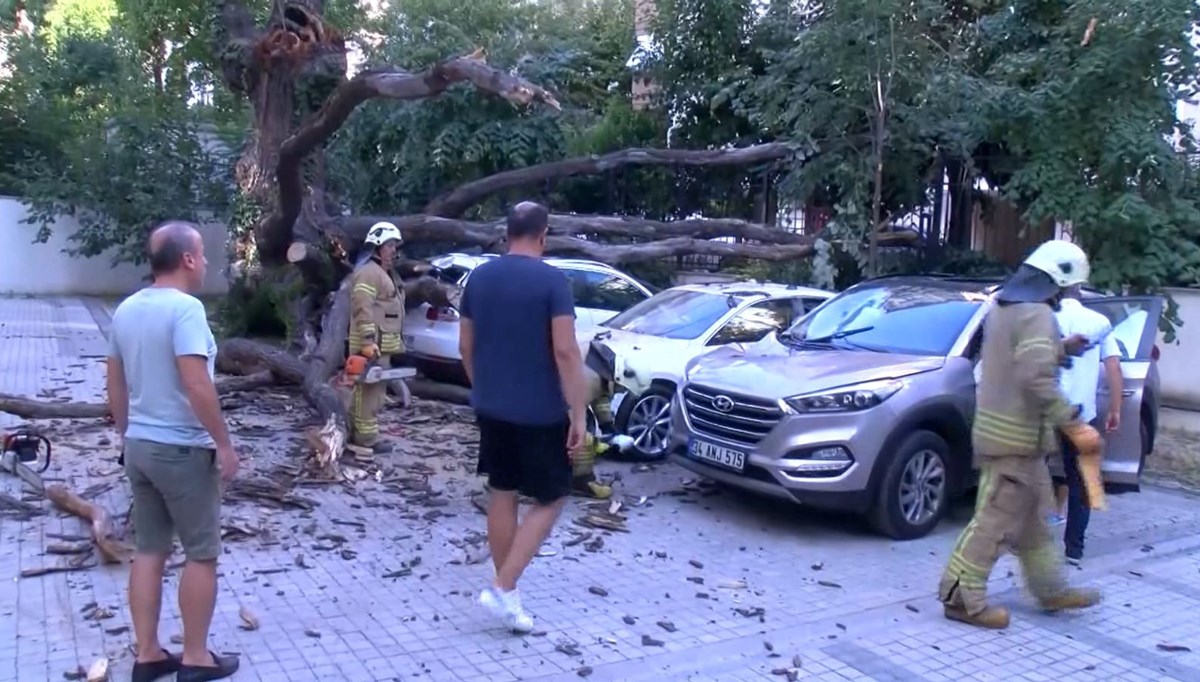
x=865, y=404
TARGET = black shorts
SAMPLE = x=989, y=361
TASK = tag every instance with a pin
x=531, y=460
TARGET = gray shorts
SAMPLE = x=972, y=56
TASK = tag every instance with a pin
x=176, y=489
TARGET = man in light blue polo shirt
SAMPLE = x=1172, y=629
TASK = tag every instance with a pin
x=1080, y=383
x=177, y=451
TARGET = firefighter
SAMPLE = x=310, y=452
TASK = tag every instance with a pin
x=1019, y=412
x=376, y=315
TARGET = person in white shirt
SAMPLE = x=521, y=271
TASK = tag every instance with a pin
x=1080, y=382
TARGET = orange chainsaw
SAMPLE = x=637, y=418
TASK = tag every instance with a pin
x=360, y=370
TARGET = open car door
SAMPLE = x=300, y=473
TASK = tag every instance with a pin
x=1134, y=322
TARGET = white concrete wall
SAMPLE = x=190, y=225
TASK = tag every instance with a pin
x=33, y=269
x=1177, y=363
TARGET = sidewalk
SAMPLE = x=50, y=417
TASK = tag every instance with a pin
x=376, y=580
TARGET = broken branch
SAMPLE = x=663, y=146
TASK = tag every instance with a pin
x=27, y=408
x=276, y=234
x=454, y=203
x=100, y=526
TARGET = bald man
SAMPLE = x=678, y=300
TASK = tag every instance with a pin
x=177, y=451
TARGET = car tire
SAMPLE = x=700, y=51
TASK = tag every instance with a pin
x=914, y=464
x=622, y=418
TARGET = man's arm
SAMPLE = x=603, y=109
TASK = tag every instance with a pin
x=1110, y=352
x=118, y=389
x=191, y=357
x=1037, y=355
x=567, y=357
x=466, y=333
x=466, y=347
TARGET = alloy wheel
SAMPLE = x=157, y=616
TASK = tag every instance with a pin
x=922, y=487
x=649, y=424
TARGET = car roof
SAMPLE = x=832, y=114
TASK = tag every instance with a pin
x=980, y=284
x=470, y=262
x=747, y=288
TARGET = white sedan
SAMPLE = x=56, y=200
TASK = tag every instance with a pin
x=431, y=332
x=644, y=350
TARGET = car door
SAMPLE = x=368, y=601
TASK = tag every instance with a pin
x=755, y=322
x=1134, y=322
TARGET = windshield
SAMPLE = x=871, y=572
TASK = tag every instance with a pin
x=674, y=314
x=893, y=318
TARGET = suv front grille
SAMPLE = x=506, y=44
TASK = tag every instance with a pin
x=746, y=420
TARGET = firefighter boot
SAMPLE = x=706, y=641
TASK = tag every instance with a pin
x=1070, y=599
x=991, y=617
x=584, y=481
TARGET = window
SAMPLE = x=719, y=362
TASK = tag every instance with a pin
x=894, y=317
x=603, y=290
x=754, y=323
x=675, y=314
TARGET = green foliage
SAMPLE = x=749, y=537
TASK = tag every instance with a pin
x=427, y=147
x=258, y=308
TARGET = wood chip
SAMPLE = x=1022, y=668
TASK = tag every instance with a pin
x=249, y=620
x=826, y=583
x=667, y=625
x=696, y=564
x=647, y=640
x=629, y=620
x=1172, y=648
x=568, y=648
x=585, y=671
x=313, y=633
x=598, y=591
x=98, y=672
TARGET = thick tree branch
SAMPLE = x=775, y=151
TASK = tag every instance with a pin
x=658, y=239
x=455, y=202
x=276, y=235
x=29, y=408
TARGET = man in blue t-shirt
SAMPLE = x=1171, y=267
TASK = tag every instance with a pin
x=517, y=340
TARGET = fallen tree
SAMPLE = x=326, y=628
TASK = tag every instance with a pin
x=27, y=408
x=282, y=168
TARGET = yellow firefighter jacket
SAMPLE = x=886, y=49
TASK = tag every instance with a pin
x=1019, y=405
x=376, y=309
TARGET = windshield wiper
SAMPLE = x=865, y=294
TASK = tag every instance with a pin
x=839, y=335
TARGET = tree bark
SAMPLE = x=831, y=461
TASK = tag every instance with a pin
x=111, y=550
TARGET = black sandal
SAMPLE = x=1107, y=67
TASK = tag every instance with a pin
x=225, y=666
x=148, y=671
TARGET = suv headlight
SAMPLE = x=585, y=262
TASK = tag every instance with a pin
x=846, y=399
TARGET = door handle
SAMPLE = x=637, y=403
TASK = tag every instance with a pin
x=1128, y=392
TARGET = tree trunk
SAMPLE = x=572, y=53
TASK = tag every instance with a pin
x=26, y=408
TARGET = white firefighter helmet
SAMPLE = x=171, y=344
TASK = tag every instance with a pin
x=381, y=233
x=1052, y=267
x=1063, y=261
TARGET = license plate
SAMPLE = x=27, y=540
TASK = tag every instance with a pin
x=616, y=402
x=715, y=454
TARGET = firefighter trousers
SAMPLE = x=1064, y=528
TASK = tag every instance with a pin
x=1015, y=494
x=365, y=404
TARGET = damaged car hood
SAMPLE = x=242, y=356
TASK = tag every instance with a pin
x=772, y=370
x=639, y=358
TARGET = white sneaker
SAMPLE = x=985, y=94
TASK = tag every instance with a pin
x=507, y=607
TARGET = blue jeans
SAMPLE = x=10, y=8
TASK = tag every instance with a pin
x=1078, y=510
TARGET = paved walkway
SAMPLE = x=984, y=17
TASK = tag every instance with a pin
x=375, y=582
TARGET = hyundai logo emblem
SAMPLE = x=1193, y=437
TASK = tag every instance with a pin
x=722, y=403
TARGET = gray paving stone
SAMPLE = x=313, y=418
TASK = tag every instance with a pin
x=426, y=627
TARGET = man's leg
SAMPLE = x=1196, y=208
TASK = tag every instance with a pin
x=531, y=533
x=368, y=399
x=963, y=588
x=501, y=524
x=154, y=534
x=1041, y=563
x=1079, y=512
x=194, y=501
